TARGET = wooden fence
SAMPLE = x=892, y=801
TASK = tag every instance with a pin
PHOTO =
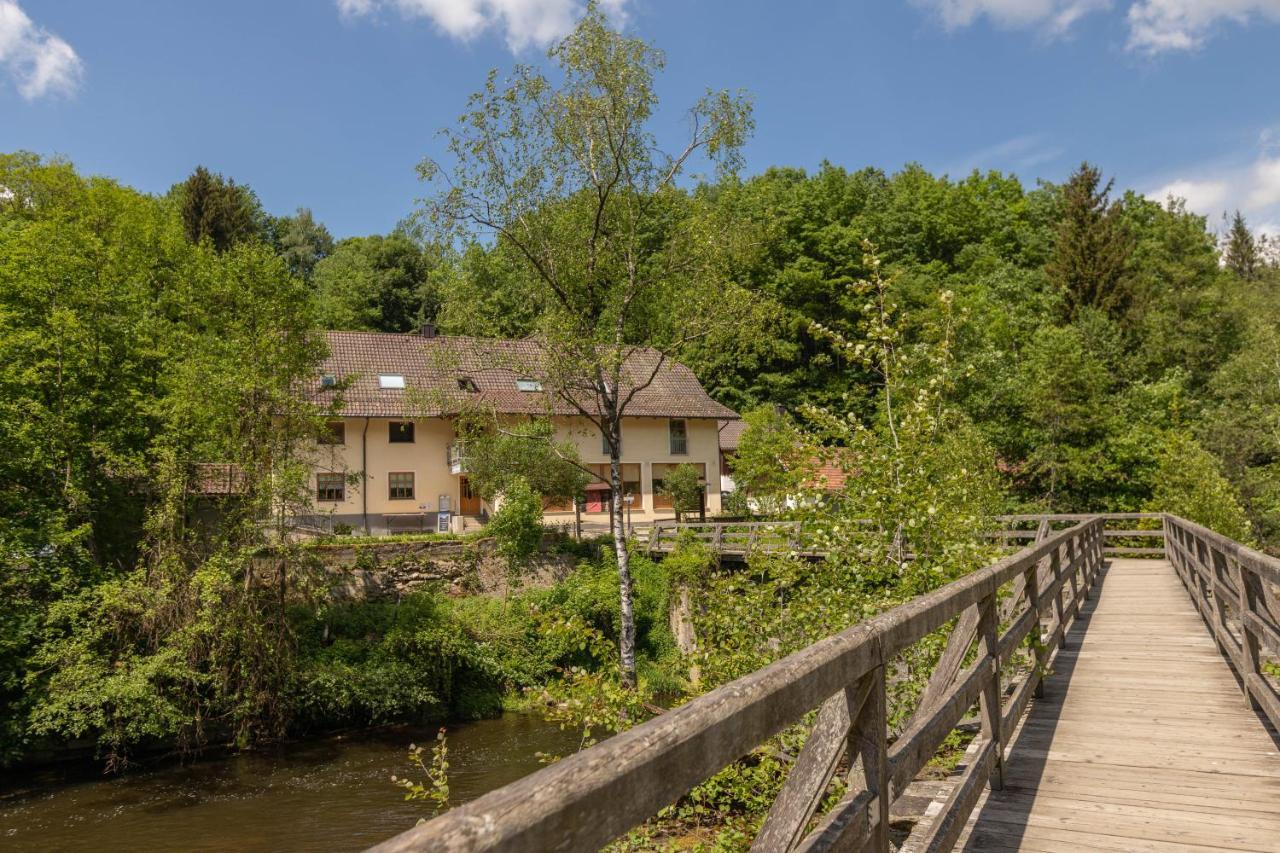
x=584, y=801
x=1234, y=588
x=739, y=538
x=1127, y=534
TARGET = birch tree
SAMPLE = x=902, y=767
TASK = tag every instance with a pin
x=561, y=168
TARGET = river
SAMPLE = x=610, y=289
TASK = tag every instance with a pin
x=333, y=794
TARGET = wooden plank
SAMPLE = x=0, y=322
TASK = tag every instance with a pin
x=1140, y=741
x=802, y=792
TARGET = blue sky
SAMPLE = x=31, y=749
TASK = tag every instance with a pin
x=329, y=104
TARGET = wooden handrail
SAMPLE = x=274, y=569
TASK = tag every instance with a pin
x=584, y=801
x=1233, y=587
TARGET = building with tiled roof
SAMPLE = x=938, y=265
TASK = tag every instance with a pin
x=393, y=461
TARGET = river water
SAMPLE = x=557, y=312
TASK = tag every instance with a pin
x=320, y=795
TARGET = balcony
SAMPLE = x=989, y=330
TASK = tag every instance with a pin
x=456, y=458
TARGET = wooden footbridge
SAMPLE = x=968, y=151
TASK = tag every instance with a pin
x=1122, y=704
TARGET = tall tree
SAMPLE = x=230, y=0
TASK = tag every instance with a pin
x=1241, y=254
x=1092, y=246
x=301, y=242
x=569, y=176
x=219, y=210
x=379, y=283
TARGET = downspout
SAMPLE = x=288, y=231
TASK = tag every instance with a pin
x=364, y=475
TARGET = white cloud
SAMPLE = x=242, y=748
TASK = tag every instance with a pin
x=1248, y=182
x=39, y=62
x=1265, y=177
x=523, y=23
x=1052, y=16
x=1204, y=197
x=1156, y=26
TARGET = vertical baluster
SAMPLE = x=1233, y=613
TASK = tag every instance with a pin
x=868, y=739
x=1055, y=568
x=1031, y=585
x=1073, y=551
x=989, y=704
x=1250, y=588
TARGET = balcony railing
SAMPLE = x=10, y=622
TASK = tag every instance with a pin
x=456, y=458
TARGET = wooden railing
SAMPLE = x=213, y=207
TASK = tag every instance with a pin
x=728, y=537
x=1124, y=528
x=1234, y=588
x=584, y=801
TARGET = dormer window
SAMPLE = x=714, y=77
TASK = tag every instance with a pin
x=466, y=383
x=528, y=385
x=393, y=381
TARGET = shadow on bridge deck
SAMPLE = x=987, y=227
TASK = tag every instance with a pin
x=1142, y=740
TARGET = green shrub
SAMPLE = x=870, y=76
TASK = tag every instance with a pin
x=517, y=525
x=1189, y=483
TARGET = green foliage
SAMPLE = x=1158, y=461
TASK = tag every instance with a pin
x=517, y=525
x=1190, y=483
x=378, y=284
x=436, y=787
x=498, y=456
x=300, y=241
x=1092, y=246
x=217, y=209
x=683, y=484
x=775, y=460
x=1241, y=252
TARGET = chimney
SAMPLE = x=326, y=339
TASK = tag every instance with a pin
x=427, y=330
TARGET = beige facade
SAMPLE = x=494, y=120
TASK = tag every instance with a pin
x=373, y=483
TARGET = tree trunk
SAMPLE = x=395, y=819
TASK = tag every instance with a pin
x=627, y=639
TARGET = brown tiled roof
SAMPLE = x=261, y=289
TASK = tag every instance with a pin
x=730, y=434
x=217, y=478
x=433, y=367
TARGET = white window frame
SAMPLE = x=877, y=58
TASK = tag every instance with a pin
x=391, y=381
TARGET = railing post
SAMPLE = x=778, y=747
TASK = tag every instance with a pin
x=1250, y=603
x=869, y=739
x=1055, y=569
x=989, y=703
x=1031, y=585
x=1074, y=553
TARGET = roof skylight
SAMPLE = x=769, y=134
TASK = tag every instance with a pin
x=391, y=380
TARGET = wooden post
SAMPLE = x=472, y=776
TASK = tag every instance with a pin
x=989, y=704
x=1031, y=585
x=868, y=739
x=1059, y=613
x=1250, y=591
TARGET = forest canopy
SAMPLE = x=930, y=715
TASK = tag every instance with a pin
x=1092, y=348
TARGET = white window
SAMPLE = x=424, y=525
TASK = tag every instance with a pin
x=528, y=385
x=391, y=380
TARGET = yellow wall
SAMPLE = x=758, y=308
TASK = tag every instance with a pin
x=425, y=457
x=644, y=441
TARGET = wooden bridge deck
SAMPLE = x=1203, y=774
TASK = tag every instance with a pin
x=1142, y=741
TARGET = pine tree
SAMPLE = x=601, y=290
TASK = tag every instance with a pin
x=217, y=209
x=1241, y=255
x=1092, y=247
